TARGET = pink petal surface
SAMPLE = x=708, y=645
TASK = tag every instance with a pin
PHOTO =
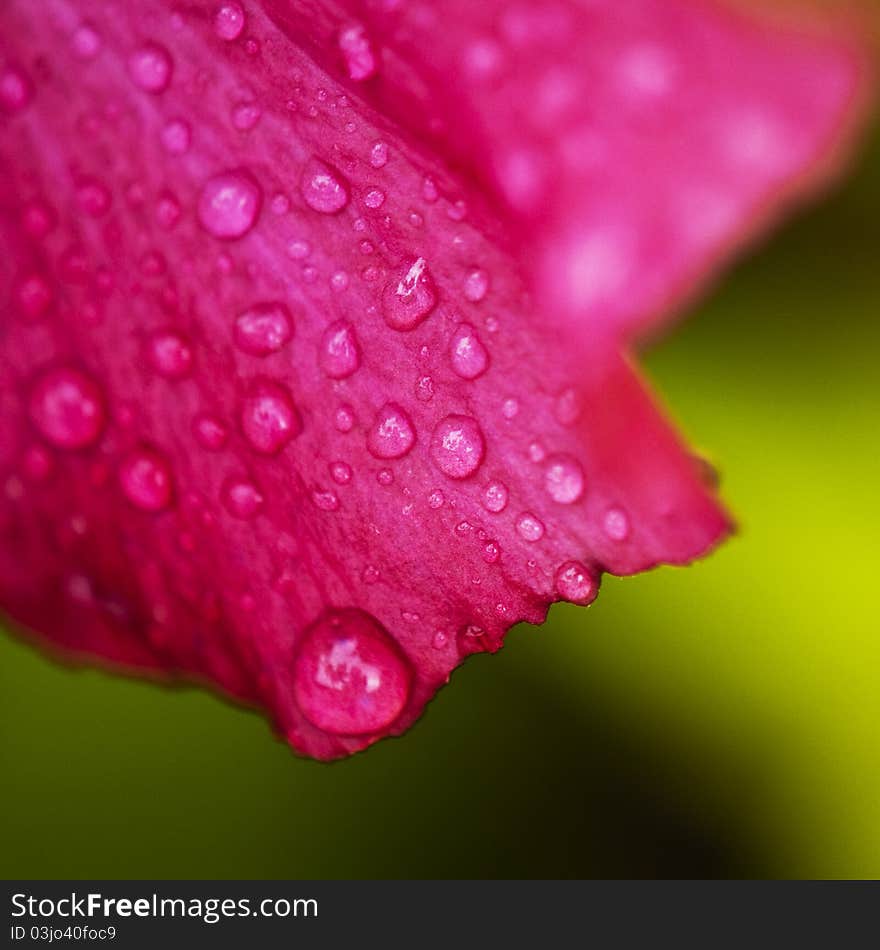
x=314, y=376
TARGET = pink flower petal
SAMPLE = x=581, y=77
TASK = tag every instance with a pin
x=314, y=404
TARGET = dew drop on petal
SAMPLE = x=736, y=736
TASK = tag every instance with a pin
x=241, y=498
x=495, y=497
x=229, y=204
x=67, y=408
x=529, y=527
x=436, y=499
x=150, y=67
x=263, y=328
x=467, y=353
x=323, y=188
x=170, y=354
x=145, y=479
x=269, y=419
x=358, y=53
x=325, y=500
x=85, y=42
x=615, y=524
x=339, y=354
x=349, y=676
x=458, y=446
x=374, y=198
x=564, y=479
x=340, y=472
x=392, y=434
x=576, y=584
x=409, y=296
x=210, y=432
x=343, y=419
x=15, y=89
x=176, y=136
x=379, y=155
x=385, y=477
x=229, y=21
x=34, y=296
x=476, y=285
x=510, y=408
x=568, y=407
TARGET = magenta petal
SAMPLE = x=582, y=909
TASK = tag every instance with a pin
x=312, y=357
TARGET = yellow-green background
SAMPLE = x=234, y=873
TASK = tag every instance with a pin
x=721, y=720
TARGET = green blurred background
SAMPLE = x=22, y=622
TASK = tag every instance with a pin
x=720, y=720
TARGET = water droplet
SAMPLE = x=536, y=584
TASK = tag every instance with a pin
x=170, y=354
x=15, y=89
x=229, y=204
x=385, y=477
x=350, y=677
x=495, y=497
x=339, y=280
x=358, y=53
x=576, y=584
x=150, y=67
x=436, y=499
x=568, y=407
x=439, y=640
x=145, y=478
x=241, y=498
x=263, y=328
x=245, y=115
x=374, y=198
x=615, y=524
x=344, y=419
x=37, y=464
x=529, y=527
x=339, y=355
x=34, y=296
x=229, y=21
x=298, y=250
x=325, y=500
x=323, y=188
x=92, y=197
x=38, y=218
x=476, y=285
x=370, y=574
x=379, y=155
x=510, y=408
x=468, y=355
x=491, y=552
x=392, y=434
x=340, y=472
x=280, y=204
x=425, y=388
x=85, y=42
x=269, y=419
x=168, y=211
x=458, y=446
x=409, y=296
x=537, y=452
x=429, y=191
x=176, y=137
x=564, y=479
x=67, y=407
x=211, y=433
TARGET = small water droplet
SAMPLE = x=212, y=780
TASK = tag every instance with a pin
x=269, y=419
x=145, y=479
x=537, y=452
x=150, y=67
x=92, y=197
x=439, y=640
x=468, y=355
x=529, y=527
x=339, y=354
x=170, y=354
x=385, y=477
x=229, y=21
x=38, y=218
x=491, y=552
x=568, y=407
x=495, y=497
x=85, y=42
x=210, y=432
x=576, y=584
x=37, y=463
x=67, y=408
x=33, y=296
x=344, y=418
x=263, y=328
x=425, y=388
x=358, y=53
x=476, y=284
x=409, y=296
x=280, y=204
x=370, y=574
x=392, y=434
x=325, y=500
x=436, y=499
x=510, y=408
x=564, y=479
x=323, y=188
x=374, y=198
x=615, y=524
x=245, y=115
x=230, y=204
x=298, y=249
x=168, y=211
x=458, y=446
x=340, y=472
x=15, y=89
x=176, y=137
x=429, y=191
x=379, y=155
x=241, y=498
x=349, y=676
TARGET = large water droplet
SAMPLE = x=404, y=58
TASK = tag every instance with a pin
x=339, y=355
x=263, y=328
x=67, y=407
x=145, y=478
x=576, y=584
x=358, y=53
x=229, y=21
x=495, y=497
x=323, y=188
x=269, y=419
x=229, y=204
x=409, y=296
x=392, y=434
x=150, y=67
x=458, y=446
x=468, y=355
x=170, y=354
x=564, y=479
x=349, y=676
x=241, y=498
x=529, y=527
